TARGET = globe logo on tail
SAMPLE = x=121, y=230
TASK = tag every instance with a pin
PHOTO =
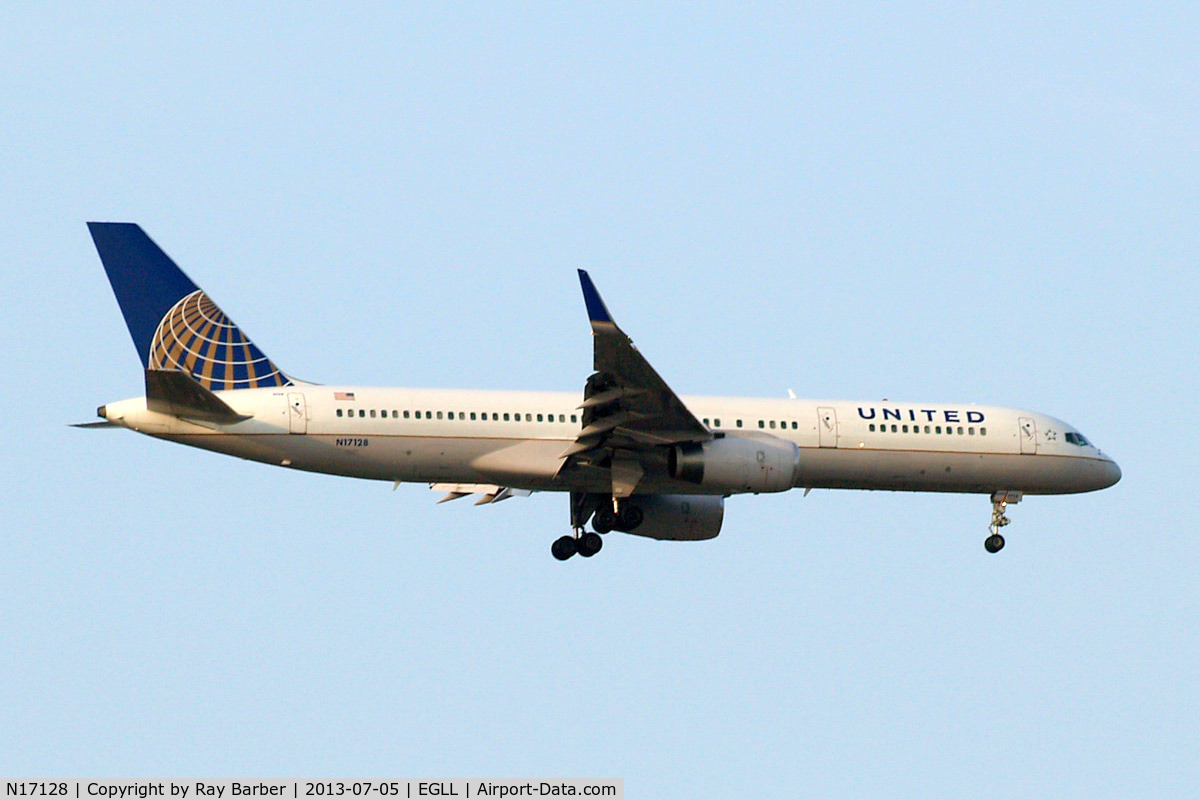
x=196, y=337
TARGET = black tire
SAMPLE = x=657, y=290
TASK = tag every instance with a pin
x=631, y=517
x=590, y=544
x=563, y=548
x=604, y=520
x=994, y=543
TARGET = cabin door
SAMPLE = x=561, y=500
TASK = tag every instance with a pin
x=827, y=427
x=297, y=414
x=1028, y=436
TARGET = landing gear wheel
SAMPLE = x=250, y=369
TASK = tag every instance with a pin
x=631, y=517
x=604, y=520
x=994, y=543
x=564, y=547
x=589, y=544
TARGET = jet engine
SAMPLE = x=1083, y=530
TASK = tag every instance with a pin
x=680, y=517
x=737, y=464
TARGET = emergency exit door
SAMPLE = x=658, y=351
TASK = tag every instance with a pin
x=827, y=427
x=297, y=414
x=1028, y=436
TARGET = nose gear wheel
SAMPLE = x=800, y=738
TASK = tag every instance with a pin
x=994, y=543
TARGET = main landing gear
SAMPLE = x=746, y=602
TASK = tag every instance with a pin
x=585, y=544
x=609, y=519
x=606, y=515
x=1000, y=500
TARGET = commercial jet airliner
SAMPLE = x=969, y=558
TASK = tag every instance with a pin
x=632, y=455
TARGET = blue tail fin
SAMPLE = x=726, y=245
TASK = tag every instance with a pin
x=174, y=325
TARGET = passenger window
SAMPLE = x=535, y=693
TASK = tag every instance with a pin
x=506, y=416
x=794, y=425
x=562, y=417
x=937, y=429
x=339, y=412
x=904, y=429
x=960, y=430
x=406, y=414
x=739, y=423
x=362, y=412
x=529, y=417
x=573, y=418
x=761, y=424
x=772, y=426
x=706, y=420
x=716, y=423
x=871, y=427
x=439, y=415
x=893, y=427
x=539, y=417
x=971, y=431
x=983, y=431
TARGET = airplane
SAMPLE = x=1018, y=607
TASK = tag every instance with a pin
x=632, y=455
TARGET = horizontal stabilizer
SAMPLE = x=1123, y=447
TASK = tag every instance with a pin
x=181, y=395
x=101, y=424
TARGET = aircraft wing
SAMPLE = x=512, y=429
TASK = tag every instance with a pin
x=490, y=493
x=628, y=409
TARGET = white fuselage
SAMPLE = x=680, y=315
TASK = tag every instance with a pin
x=517, y=439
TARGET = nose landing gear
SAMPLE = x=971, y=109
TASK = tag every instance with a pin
x=1000, y=500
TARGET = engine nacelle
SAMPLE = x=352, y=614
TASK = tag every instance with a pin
x=680, y=517
x=737, y=464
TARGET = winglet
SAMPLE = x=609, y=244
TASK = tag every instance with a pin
x=596, y=309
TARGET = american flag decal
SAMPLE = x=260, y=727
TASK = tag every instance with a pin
x=343, y=395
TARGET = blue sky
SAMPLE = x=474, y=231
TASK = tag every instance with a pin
x=960, y=202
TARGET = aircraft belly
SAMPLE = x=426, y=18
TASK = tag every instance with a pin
x=946, y=472
x=390, y=458
x=526, y=463
x=534, y=464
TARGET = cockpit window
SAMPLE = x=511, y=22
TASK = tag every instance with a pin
x=1076, y=439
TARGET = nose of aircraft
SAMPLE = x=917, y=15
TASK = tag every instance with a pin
x=1112, y=473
